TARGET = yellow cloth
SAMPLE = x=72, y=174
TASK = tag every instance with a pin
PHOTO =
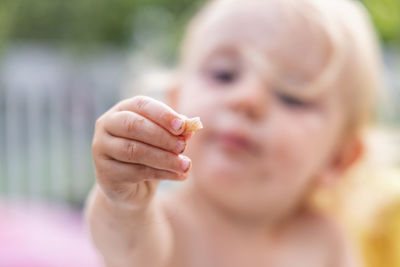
x=381, y=243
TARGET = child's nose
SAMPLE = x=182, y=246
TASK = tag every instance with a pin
x=250, y=97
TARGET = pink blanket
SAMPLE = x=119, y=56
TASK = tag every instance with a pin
x=42, y=236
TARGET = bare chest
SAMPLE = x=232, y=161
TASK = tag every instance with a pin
x=199, y=248
x=216, y=258
x=197, y=244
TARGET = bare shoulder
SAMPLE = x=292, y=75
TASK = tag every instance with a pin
x=324, y=234
x=163, y=202
x=171, y=208
x=166, y=202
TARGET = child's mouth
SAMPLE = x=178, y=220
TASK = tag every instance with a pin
x=235, y=142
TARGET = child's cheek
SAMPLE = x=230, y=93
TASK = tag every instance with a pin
x=301, y=143
x=190, y=100
x=197, y=101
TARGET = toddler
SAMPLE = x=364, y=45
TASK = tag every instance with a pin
x=284, y=89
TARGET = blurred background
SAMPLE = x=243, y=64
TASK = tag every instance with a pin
x=64, y=63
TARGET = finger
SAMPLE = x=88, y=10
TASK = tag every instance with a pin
x=130, y=151
x=187, y=136
x=113, y=171
x=131, y=125
x=156, y=111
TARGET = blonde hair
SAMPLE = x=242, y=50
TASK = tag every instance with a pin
x=354, y=62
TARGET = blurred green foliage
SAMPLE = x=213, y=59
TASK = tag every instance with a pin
x=82, y=22
x=87, y=22
x=386, y=16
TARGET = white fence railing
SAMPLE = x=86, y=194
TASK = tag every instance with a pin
x=48, y=105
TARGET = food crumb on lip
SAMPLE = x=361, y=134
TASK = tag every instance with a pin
x=192, y=125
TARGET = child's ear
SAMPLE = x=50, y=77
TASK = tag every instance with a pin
x=346, y=156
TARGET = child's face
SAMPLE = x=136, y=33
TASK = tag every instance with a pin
x=260, y=150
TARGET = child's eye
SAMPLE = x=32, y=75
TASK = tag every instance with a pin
x=224, y=76
x=292, y=101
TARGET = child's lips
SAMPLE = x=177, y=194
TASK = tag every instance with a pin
x=236, y=142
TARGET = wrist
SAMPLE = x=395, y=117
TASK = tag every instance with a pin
x=138, y=201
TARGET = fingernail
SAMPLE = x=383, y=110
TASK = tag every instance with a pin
x=185, y=163
x=180, y=147
x=177, y=125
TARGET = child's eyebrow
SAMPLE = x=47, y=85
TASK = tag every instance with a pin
x=223, y=49
x=268, y=72
x=212, y=55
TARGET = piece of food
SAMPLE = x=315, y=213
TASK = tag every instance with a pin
x=192, y=125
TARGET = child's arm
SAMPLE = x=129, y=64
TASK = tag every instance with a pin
x=136, y=144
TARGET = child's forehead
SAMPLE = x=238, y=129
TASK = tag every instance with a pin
x=249, y=21
x=267, y=27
